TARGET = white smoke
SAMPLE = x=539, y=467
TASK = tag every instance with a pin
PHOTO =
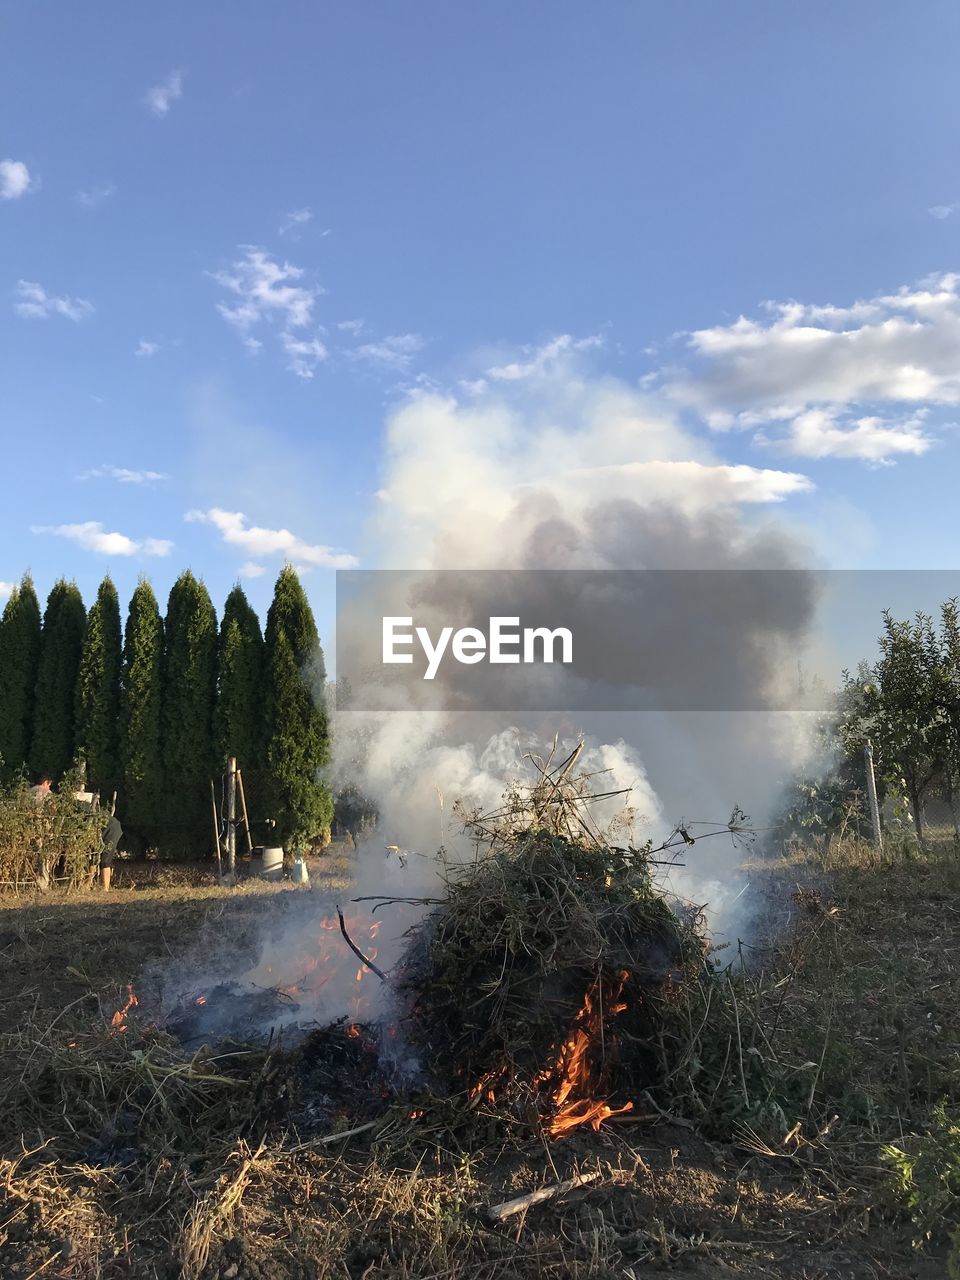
x=552, y=467
x=549, y=467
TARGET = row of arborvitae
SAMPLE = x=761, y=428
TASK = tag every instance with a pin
x=153, y=709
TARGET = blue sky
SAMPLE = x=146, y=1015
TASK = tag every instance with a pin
x=238, y=241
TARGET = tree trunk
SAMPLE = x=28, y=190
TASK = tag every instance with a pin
x=951, y=791
x=916, y=804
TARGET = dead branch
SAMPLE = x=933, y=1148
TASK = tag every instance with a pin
x=499, y=1212
x=332, y=1137
x=356, y=950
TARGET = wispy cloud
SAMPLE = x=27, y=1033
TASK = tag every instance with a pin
x=292, y=221
x=91, y=536
x=269, y=293
x=394, y=352
x=94, y=197
x=146, y=349
x=5, y=589
x=124, y=475
x=258, y=542
x=544, y=359
x=161, y=97
x=303, y=354
x=35, y=303
x=351, y=326
x=250, y=569
x=15, y=180
x=843, y=381
x=942, y=211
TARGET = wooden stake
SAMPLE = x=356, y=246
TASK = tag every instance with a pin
x=231, y=815
x=872, y=795
x=216, y=828
x=243, y=810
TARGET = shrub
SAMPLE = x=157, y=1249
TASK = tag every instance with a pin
x=42, y=839
x=927, y=1178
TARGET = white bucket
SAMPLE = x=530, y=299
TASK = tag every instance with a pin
x=272, y=864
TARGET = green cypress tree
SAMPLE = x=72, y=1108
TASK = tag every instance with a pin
x=54, y=745
x=141, y=756
x=297, y=731
x=98, y=691
x=19, y=660
x=189, y=694
x=239, y=720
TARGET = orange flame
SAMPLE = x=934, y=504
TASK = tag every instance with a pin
x=119, y=1020
x=485, y=1085
x=573, y=1098
x=578, y=1077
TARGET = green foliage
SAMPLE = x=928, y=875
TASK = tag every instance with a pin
x=239, y=719
x=98, y=692
x=38, y=836
x=140, y=706
x=54, y=742
x=19, y=659
x=907, y=705
x=297, y=732
x=927, y=1179
x=830, y=802
x=354, y=812
x=189, y=693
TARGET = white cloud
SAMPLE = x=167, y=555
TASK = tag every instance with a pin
x=298, y=218
x=858, y=365
x=93, y=197
x=269, y=293
x=537, y=361
x=147, y=349
x=124, y=475
x=351, y=326
x=394, y=352
x=36, y=304
x=258, y=542
x=15, y=180
x=817, y=434
x=942, y=211
x=730, y=484
x=473, y=386
x=5, y=589
x=161, y=97
x=303, y=354
x=250, y=569
x=91, y=536
x=267, y=290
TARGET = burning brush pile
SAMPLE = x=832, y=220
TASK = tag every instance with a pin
x=548, y=982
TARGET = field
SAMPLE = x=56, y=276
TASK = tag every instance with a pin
x=122, y=1155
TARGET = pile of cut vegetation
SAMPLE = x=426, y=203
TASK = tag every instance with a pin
x=549, y=980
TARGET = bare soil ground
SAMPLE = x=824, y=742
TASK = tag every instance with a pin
x=120, y=1157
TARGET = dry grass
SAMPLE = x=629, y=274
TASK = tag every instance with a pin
x=121, y=1156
